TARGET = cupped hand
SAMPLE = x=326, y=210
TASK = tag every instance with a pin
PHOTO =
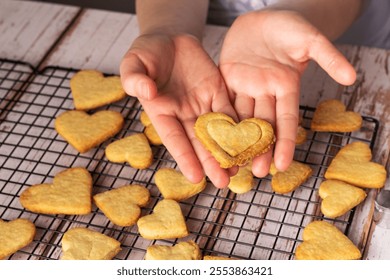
x=263, y=57
x=175, y=80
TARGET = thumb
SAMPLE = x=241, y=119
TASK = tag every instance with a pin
x=332, y=61
x=135, y=80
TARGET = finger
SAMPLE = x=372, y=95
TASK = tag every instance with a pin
x=264, y=109
x=221, y=102
x=218, y=176
x=287, y=117
x=331, y=60
x=261, y=164
x=233, y=171
x=177, y=143
x=134, y=78
x=244, y=106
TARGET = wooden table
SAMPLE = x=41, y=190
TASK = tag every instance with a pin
x=74, y=38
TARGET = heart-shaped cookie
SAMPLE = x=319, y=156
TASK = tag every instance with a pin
x=86, y=244
x=185, y=250
x=323, y=241
x=84, y=131
x=339, y=197
x=122, y=205
x=90, y=89
x=242, y=182
x=134, y=149
x=301, y=135
x=234, y=138
x=173, y=185
x=150, y=132
x=231, y=143
x=166, y=221
x=289, y=180
x=352, y=164
x=15, y=235
x=331, y=115
x=69, y=194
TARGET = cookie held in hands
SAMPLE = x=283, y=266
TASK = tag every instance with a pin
x=339, y=197
x=134, y=149
x=86, y=244
x=69, y=194
x=122, y=205
x=216, y=258
x=331, y=116
x=186, y=250
x=324, y=241
x=352, y=164
x=15, y=235
x=166, y=221
x=84, y=131
x=289, y=180
x=230, y=143
x=173, y=185
x=90, y=89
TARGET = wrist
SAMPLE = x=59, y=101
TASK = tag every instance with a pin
x=167, y=38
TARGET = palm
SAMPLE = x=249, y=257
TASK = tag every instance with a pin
x=188, y=84
x=262, y=68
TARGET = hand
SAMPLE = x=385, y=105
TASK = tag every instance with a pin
x=176, y=81
x=262, y=59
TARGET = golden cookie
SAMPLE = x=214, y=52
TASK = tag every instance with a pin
x=242, y=182
x=134, y=149
x=173, y=185
x=87, y=244
x=15, y=235
x=301, y=135
x=339, y=197
x=166, y=221
x=69, y=194
x=352, y=164
x=291, y=179
x=150, y=131
x=84, y=131
x=323, y=241
x=152, y=135
x=231, y=143
x=90, y=89
x=144, y=118
x=331, y=115
x=122, y=205
x=186, y=250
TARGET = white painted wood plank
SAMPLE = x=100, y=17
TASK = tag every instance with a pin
x=372, y=99
x=29, y=29
x=97, y=41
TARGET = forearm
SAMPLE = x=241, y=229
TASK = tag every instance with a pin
x=331, y=17
x=172, y=16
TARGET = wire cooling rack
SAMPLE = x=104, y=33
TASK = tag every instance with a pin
x=256, y=225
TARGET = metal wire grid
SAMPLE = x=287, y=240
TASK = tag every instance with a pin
x=13, y=75
x=256, y=225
